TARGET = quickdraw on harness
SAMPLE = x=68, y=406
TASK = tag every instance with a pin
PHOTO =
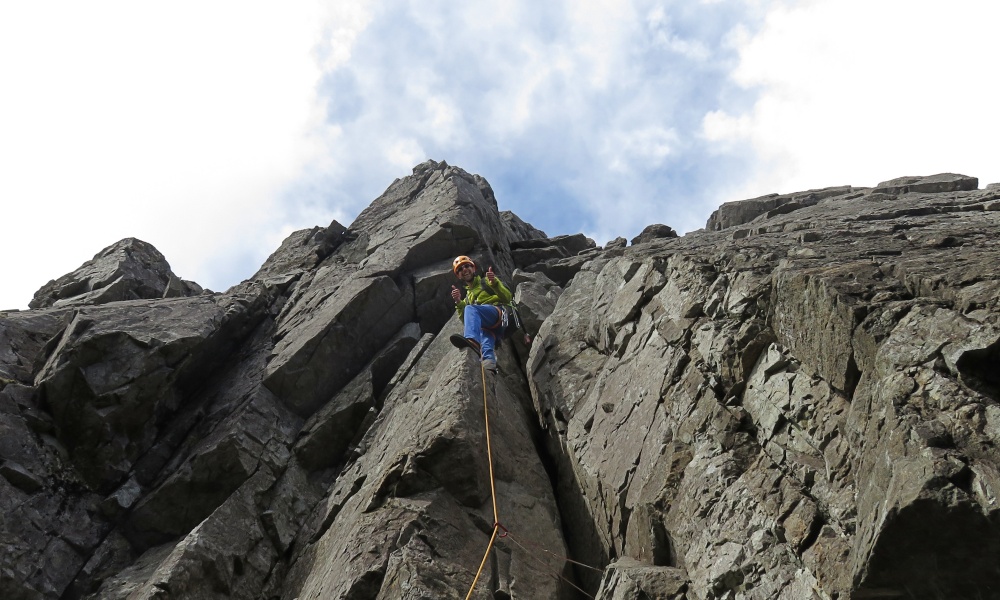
x=508, y=320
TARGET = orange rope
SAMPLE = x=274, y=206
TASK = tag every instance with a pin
x=483, y=563
x=496, y=517
x=493, y=492
x=489, y=452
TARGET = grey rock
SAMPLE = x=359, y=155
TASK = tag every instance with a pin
x=628, y=579
x=328, y=434
x=20, y=477
x=570, y=244
x=934, y=184
x=801, y=406
x=654, y=232
x=417, y=502
x=117, y=372
x=127, y=270
x=23, y=337
x=537, y=253
x=776, y=424
x=517, y=229
x=359, y=297
x=303, y=250
x=731, y=214
x=536, y=296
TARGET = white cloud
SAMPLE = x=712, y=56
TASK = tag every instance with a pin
x=213, y=130
x=639, y=150
x=404, y=153
x=663, y=35
x=344, y=22
x=854, y=92
x=162, y=122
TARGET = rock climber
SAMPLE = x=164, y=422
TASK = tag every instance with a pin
x=480, y=310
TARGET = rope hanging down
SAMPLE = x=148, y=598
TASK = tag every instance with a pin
x=497, y=527
x=493, y=491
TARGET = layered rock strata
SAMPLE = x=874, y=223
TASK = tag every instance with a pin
x=800, y=401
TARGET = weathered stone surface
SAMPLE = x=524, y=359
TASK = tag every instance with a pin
x=23, y=337
x=757, y=421
x=654, y=232
x=558, y=258
x=942, y=182
x=45, y=516
x=118, y=372
x=302, y=250
x=127, y=270
x=628, y=579
x=517, y=229
x=329, y=433
x=802, y=406
x=407, y=515
x=361, y=295
x=570, y=244
x=743, y=211
x=536, y=296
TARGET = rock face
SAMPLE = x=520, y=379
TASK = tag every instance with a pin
x=128, y=270
x=799, y=402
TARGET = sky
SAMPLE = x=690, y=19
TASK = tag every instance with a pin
x=212, y=130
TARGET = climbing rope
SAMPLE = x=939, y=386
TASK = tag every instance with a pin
x=489, y=452
x=493, y=491
x=497, y=527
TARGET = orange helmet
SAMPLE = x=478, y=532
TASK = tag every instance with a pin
x=461, y=260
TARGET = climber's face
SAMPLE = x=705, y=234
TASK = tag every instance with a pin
x=466, y=272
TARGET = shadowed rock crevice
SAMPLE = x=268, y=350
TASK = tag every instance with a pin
x=922, y=552
x=980, y=370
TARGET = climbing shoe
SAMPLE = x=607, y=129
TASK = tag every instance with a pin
x=464, y=342
x=490, y=365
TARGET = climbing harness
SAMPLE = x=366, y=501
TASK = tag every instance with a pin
x=499, y=531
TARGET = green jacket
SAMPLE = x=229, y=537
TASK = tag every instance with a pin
x=479, y=291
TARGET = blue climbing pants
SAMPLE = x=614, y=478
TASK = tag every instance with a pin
x=477, y=317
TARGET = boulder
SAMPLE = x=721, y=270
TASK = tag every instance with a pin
x=130, y=269
x=654, y=232
x=933, y=184
x=731, y=214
